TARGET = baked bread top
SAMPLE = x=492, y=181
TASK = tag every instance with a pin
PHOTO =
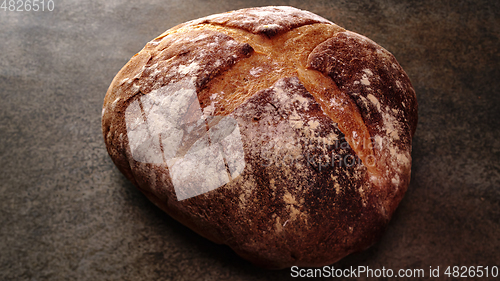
x=313, y=124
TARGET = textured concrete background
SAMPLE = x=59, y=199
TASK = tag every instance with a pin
x=66, y=213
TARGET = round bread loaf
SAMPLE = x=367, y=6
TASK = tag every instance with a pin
x=271, y=130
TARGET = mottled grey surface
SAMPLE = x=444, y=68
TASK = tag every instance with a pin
x=66, y=213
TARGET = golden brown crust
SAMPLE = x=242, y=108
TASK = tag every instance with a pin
x=323, y=118
x=201, y=54
x=383, y=93
x=268, y=21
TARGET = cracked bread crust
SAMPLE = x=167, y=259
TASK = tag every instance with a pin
x=306, y=95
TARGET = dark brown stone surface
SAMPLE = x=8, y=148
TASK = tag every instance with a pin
x=67, y=213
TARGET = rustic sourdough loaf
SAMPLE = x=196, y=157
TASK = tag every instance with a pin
x=271, y=130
